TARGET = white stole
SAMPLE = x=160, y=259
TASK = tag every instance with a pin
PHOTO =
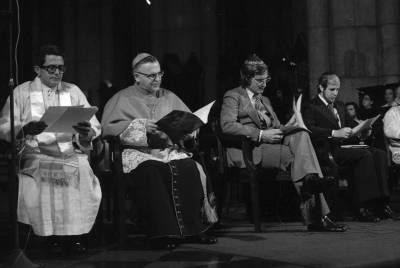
x=49, y=142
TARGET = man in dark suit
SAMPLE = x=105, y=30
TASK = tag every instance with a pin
x=330, y=129
x=246, y=113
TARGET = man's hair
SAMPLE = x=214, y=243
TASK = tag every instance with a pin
x=48, y=49
x=251, y=67
x=324, y=79
x=141, y=59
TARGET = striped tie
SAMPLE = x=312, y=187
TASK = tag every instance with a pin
x=262, y=112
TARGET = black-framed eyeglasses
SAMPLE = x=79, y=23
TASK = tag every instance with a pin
x=266, y=80
x=153, y=76
x=51, y=69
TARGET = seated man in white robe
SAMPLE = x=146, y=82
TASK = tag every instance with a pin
x=58, y=193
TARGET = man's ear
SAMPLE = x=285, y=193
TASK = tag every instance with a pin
x=135, y=75
x=36, y=69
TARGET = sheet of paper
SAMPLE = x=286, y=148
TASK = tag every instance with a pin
x=203, y=112
x=62, y=118
x=297, y=118
x=366, y=124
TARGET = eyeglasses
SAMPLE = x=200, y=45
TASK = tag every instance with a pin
x=153, y=76
x=264, y=80
x=51, y=69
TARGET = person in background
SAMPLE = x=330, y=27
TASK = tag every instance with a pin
x=367, y=109
x=169, y=187
x=58, y=193
x=397, y=96
x=389, y=98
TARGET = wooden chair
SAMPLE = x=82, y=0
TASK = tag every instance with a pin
x=118, y=186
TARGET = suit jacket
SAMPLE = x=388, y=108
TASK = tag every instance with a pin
x=321, y=122
x=240, y=119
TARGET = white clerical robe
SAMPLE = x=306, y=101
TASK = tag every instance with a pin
x=58, y=191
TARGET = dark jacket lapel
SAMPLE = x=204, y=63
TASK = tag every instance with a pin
x=326, y=112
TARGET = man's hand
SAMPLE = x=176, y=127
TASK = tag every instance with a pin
x=271, y=136
x=86, y=132
x=32, y=128
x=151, y=126
x=345, y=133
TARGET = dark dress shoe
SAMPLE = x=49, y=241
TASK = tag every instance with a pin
x=163, y=243
x=202, y=239
x=312, y=184
x=326, y=225
x=54, y=247
x=388, y=213
x=77, y=248
x=364, y=215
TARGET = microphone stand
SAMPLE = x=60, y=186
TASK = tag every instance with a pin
x=17, y=258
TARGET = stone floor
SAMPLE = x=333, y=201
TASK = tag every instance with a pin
x=283, y=244
x=279, y=245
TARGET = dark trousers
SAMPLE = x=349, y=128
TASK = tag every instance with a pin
x=369, y=172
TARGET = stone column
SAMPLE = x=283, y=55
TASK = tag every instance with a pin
x=318, y=40
x=354, y=40
x=388, y=24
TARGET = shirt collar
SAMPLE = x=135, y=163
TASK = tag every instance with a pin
x=323, y=100
x=250, y=93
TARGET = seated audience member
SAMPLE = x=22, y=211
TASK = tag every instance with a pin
x=389, y=98
x=397, y=96
x=367, y=109
x=169, y=187
x=330, y=128
x=246, y=113
x=58, y=193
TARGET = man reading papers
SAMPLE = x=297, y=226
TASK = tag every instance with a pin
x=331, y=127
x=170, y=188
x=58, y=193
x=246, y=113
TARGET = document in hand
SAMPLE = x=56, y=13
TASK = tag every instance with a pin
x=62, y=118
x=296, y=123
x=177, y=123
x=366, y=124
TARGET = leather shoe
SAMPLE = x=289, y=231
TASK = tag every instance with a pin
x=388, y=213
x=164, y=243
x=364, y=215
x=204, y=239
x=312, y=184
x=54, y=247
x=77, y=248
x=326, y=225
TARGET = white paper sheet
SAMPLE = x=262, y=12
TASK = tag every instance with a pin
x=62, y=118
x=203, y=112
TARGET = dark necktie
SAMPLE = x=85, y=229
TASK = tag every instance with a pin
x=332, y=109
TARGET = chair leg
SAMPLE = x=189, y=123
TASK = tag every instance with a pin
x=255, y=203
